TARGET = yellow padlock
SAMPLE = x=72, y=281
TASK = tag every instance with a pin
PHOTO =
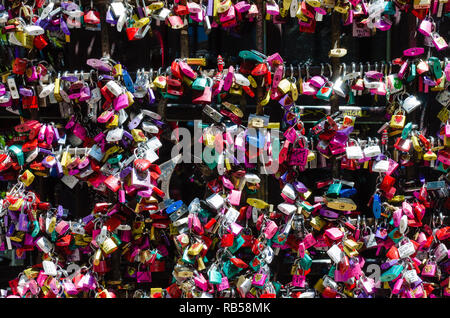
x=57, y=89
x=27, y=177
x=257, y=203
x=52, y=225
x=160, y=82
x=397, y=120
x=224, y=6
x=311, y=156
x=16, y=206
x=294, y=91
x=155, y=291
x=397, y=199
x=195, y=249
x=66, y=159
x=141, y=22
x=196, y=61
x=108, y=246
x=156, y=5
x=415, y=143
x=227, y=164
x=17, y=237
x=117, y=70
x=313, y=3
x=429, y=156
x=208, y=140
x=317, y=223
x=138, y=135
x=113, y=123
x=440, y=86
x=446, y=141
x=284, y=86
x=341, y=204
x=235, y=90
x=266, y=98
x=319, y=286
x=130, y=98
x=187, y=81
x=350, y=252
x=252, y=81
x=351, y=244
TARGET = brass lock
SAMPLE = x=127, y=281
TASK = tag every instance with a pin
x=317, y=223
x=340, y=52
x=160, y=82
x=284, y=86
x=108, y=246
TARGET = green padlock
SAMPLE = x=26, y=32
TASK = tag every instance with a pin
x=186, y=258
x=237, y=243
x=230, y=270
x=412, y=73
x=201, y=82
x=331, y=271
x=115, y=159
x=215, y=277
x=392, y=273
x=389, y=8
x=324, y=92
x=395, y=235
x=435, y=65
x=334, y=190
x=17, y=151
x=306, y=262
x=406, y=130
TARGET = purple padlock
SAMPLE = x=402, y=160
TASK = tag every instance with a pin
x=300, y=187
x=22, y=224
x=26, y=91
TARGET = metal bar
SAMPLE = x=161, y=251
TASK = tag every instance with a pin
x=312, y=69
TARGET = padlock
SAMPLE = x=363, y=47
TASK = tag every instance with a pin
x=354, y=151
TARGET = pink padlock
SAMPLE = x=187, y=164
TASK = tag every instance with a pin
x=32, y=75
x=438, y=41
x=234, y=197
x=301, y=250
x=80, y=131
x=197, y=17
x=349, y=19
x=230, y=14
x=277, y=77
x=309, y=240
x=317, y=81
x=224, y=284
x=274, y=59
x=308, y=89
x=62, y=227
x=187, y=70
x=407, y=209
x=120, y=102
x=426, y=27
x=242, y=6
x=193, y=7
x=396, y=216
x=402, y=71
x=228, y=81
x=334, y=233
x=272, y=8
x=69, y=287
x=201, y=282
x=85, y=93
x=270, y=229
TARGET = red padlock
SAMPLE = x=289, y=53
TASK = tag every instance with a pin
x=19, y=66
x=40, y=42
x=227, y=240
